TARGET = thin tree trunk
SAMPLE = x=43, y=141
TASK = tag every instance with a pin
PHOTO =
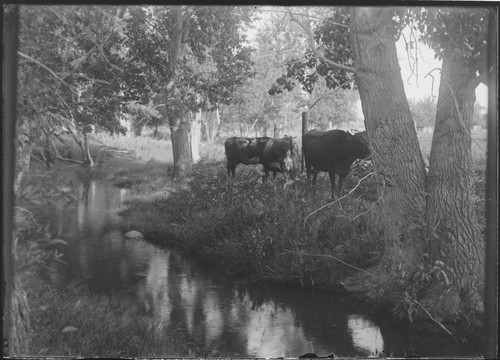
x=195, y=135
x=181, y=145
x=395, y=151
x=456, y=248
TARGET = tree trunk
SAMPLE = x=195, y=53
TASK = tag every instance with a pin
x=195, y=135
x=395, y=151
x=456, y=248
x=181, y=144
x=87, y=157
x=211, y=123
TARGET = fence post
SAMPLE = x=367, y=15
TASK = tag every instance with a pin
x=305, y=115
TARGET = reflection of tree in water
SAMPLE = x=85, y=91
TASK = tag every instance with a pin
x=154, y=292
x=214, y=320
x=311, y=319
x=366, y=336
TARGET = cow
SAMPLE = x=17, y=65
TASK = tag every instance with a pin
x=333, y=151
x=239, y=152
x=276, y=155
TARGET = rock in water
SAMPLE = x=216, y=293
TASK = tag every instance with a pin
x=133, y=235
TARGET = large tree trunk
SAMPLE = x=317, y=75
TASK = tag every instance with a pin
x=395, y=151
x=456, y=247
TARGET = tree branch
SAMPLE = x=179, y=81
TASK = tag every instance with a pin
x=312, y=45
x=310, y=16
x=46, y=68
x=340, y=198
x=337, y=259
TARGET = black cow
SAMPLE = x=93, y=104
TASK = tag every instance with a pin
x=277, y=155
x=333, y=151
x=239, y=152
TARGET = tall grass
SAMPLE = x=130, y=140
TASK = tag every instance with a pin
x=249, y=228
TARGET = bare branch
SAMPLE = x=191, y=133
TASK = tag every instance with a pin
x=340, y=198
x=337, y=259
x=432, y=317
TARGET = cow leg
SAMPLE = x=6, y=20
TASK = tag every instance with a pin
x=266, y=174
x=282, y=167
x=315, y=176
x=308, y=172
x=331, y=174
x=230, y=169
x=341, y=180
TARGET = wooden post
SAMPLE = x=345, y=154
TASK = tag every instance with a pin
x=305, y=115
x=276, y=130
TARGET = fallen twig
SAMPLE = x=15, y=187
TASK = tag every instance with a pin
x=340, y=198
x=337, y=259
x=432, y=317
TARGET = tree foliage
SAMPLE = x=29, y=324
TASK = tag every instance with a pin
x=454, y=32
x=70, y=64
x=332, y=37
x=215, y=60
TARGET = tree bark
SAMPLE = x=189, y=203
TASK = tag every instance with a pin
x=179, y=124
x=181, y=144
x=210, y=122
x=456, y=248
x=395, y=151
x=195, y=135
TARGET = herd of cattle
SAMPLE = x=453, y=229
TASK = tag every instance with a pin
x=333, y=151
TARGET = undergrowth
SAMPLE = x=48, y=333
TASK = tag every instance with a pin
x=249, y=228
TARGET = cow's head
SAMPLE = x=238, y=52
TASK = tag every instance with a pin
x=361, y=145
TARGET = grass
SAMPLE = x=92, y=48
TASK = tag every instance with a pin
x=246, y=227
x=70, y=322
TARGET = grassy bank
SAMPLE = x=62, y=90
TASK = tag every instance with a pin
x=72, y=322
x=251, y=229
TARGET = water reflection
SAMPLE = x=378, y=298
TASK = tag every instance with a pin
x=366, y=336
x=175, y=292
x=153, y=292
